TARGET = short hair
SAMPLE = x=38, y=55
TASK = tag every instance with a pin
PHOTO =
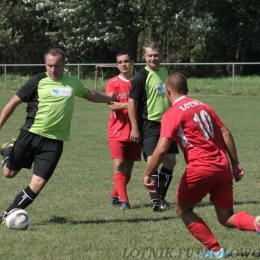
x=124, y=52
x=178, y=83
x=152, y=45
x=55, y=52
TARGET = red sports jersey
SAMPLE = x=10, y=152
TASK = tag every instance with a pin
x=195, y=128
x=119, y=126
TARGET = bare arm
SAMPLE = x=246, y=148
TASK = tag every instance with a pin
x=118, y=106
x=9, y=109
x=157, y=158
x=95, y=96
x=135, y=134
x=237, y=169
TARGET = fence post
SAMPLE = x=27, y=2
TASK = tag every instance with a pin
x=233, y=78
x=5, y=77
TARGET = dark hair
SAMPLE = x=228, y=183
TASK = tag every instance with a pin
x=123, y=52
x=152, y=45
x=55, y=52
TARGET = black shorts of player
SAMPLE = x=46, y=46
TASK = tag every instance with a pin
x=31, y=148
x=150, y=133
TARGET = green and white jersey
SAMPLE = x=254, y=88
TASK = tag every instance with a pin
x=148, y=88
x=50, y=104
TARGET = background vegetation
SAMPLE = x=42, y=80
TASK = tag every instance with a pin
x=93, y=31
x=71, y=218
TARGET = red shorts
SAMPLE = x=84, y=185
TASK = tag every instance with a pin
x=125, y=150
x=194, y=187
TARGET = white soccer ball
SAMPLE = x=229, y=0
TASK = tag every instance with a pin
x=18, y=219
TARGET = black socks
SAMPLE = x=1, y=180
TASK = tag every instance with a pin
x=23, y=200
x=165, y=178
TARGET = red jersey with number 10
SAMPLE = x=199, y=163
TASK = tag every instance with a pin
x=119, y=126
x=195, y=128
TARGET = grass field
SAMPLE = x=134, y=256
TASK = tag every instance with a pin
x=71, y=219
x=242, y=85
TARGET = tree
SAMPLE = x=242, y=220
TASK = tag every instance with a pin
x=93, y=31
x=233, y=31
x=22, y=36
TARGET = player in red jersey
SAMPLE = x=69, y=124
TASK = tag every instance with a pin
x=205, y=142
x=124, y=151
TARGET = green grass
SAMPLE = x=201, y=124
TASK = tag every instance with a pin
x=242, y=85
x=71, y=219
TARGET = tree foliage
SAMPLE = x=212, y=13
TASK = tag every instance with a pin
x=93, y=31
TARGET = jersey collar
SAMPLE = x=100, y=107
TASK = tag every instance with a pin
x=182, y=97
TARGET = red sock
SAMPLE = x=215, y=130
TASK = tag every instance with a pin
x=114, y=192
x=201, y=231
x=244, y=221
x=120, y=181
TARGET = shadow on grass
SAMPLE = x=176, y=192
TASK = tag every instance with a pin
x=206, y=204
x=149, y=206
x=64, y=220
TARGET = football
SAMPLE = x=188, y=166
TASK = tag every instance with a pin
x=18, y=219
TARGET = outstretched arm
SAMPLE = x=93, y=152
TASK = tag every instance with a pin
x=237, y=169
x=95, y=96
x=9, y=109
x=118, y=106
x=135, y=134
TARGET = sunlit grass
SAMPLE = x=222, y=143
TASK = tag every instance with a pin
x=71, y=219
x=220, y=86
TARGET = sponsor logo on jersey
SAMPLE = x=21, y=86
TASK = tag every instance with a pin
x=160, y=89
x=122, y=95
x=61, y=92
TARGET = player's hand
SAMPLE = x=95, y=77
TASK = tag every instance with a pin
x=113, y=98
x=135, y=135
x=238, y=172
x=149, y=184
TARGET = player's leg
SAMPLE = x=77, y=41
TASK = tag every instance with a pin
x=17, y=154
x=114, y=196
x=116, y=152
x=150, y=135
x=8, y=173
x=240, y=220
x=165, y=178
x=15, y=157
x=120, y=175
x=7, y=150
x=155, y=196
x=120, y=178
x=196, y=226
x=47, y=155
x=132, y=153
x=191, y=190
x=148, y=145
x=166, y=174
x=222, y=197
x=123, y=196
x=27, y=196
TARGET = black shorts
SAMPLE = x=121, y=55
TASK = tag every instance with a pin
x=150, y=133
x=31, y=148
